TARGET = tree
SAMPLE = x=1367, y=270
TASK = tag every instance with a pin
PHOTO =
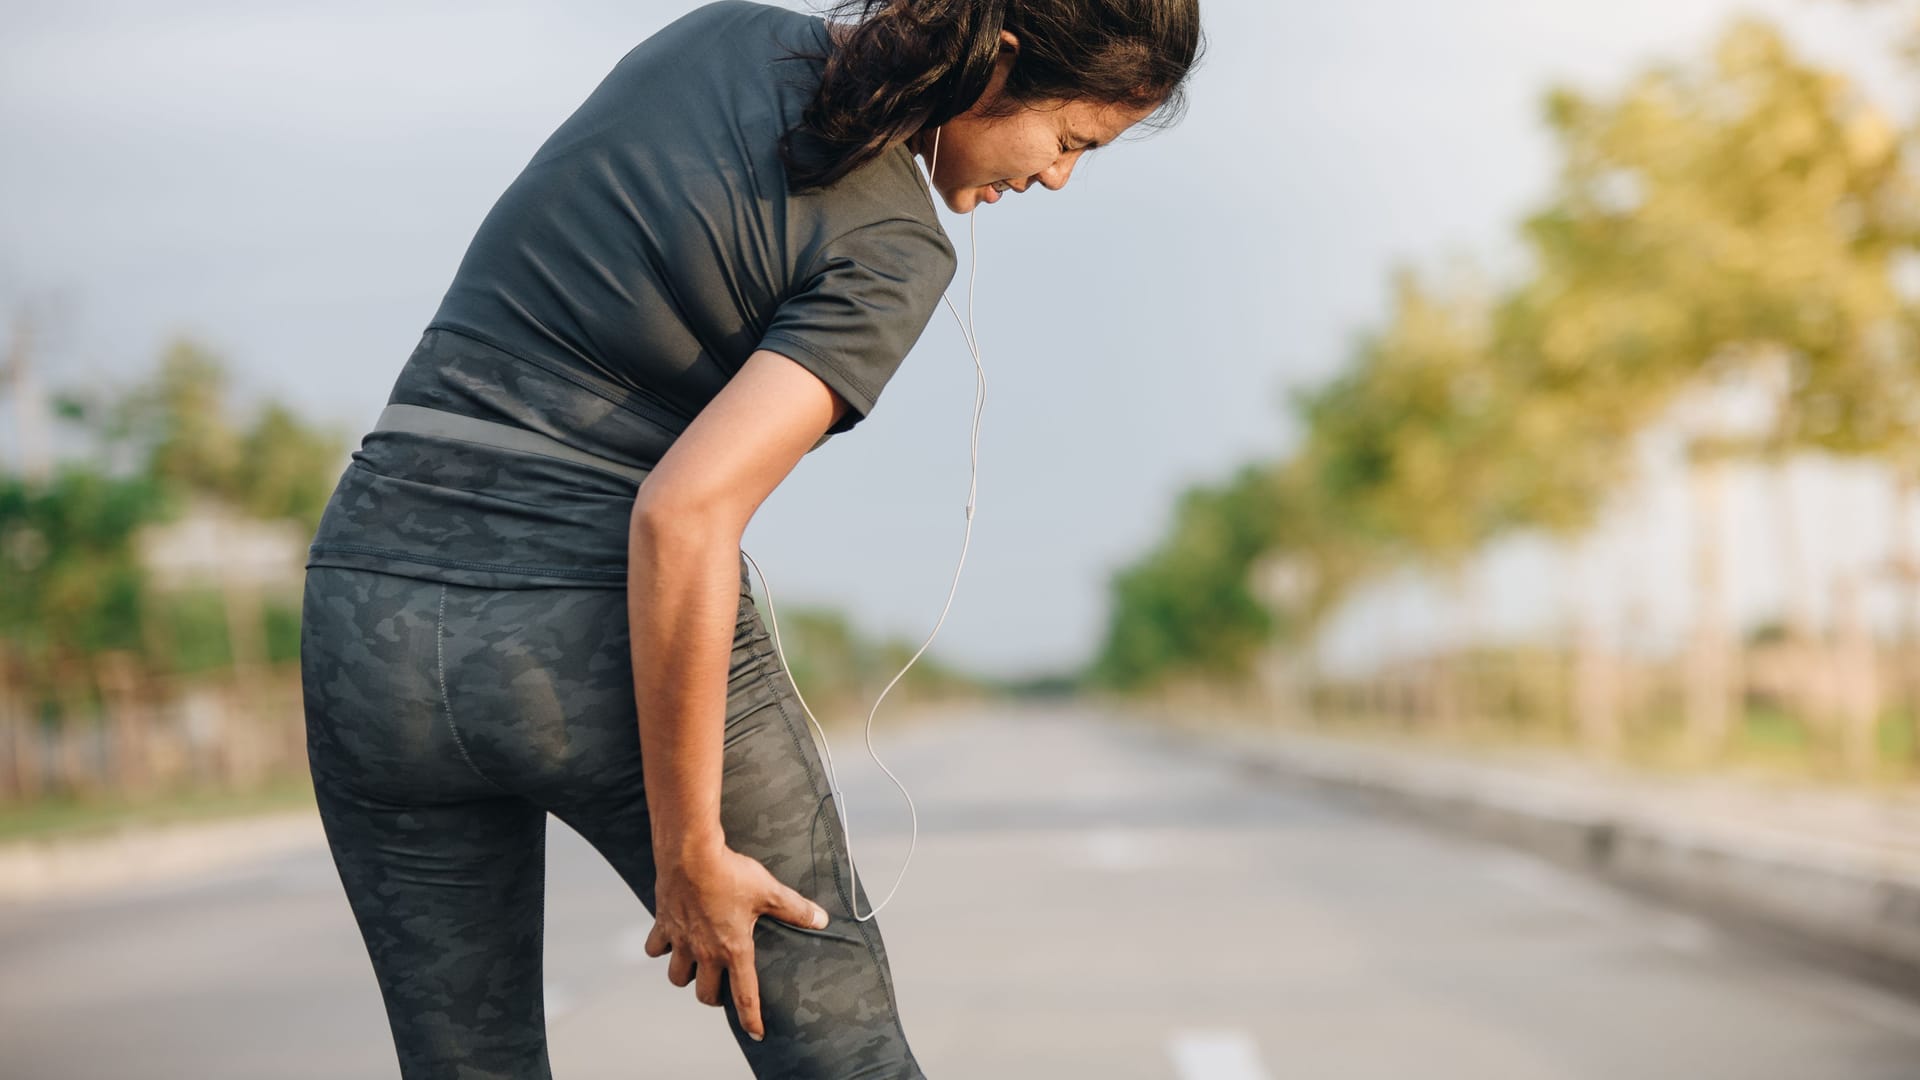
x=1188, y=606
x=1712, y=218
x=179, y=428
x=1707, y=217
x=69, y=583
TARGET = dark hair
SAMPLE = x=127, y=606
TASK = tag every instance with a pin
x=911, y=64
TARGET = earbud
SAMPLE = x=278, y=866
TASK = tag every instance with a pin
x=979, y=400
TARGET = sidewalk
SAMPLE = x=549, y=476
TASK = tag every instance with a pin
x=1833, y=869
x=44, y=869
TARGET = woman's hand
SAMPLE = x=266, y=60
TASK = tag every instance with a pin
x=705, y=908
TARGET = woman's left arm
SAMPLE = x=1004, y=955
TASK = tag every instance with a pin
x=688, y=518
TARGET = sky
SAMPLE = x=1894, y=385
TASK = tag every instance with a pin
x=294, y=184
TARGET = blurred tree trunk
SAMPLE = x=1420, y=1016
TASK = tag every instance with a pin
x=129, y=721
x=156, y=637
x=1860, y=683
x=19, y=728
x=1806, y=656
x=29, y=401
x=1638, y=676
x=1596, y=680
x=1907, y=574
x=1469, y=685
x=1711, y=660
x=1447, y=666
x=78, y=775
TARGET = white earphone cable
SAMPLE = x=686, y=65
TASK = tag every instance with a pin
x=979, y=401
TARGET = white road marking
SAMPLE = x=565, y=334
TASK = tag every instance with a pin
x=1215, y=1055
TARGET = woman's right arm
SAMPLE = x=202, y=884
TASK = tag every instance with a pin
x=682, y=600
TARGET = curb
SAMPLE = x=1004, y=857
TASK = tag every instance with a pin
x=1851, y=902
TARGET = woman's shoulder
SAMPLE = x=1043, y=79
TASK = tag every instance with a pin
x=715, y=11
x=731, y=42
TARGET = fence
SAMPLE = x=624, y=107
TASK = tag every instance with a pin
x=142, y=734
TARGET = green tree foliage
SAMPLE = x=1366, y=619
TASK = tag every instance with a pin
x=1752, y=202
x=69, y=582
x=179, y=428
x=839, y=670
x=1749, y=204
x=1188, y=606
x=1442, y=435
x=289, y=467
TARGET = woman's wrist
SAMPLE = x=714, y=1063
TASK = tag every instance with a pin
x=687, y=847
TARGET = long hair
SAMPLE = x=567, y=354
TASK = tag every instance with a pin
x=907, y=65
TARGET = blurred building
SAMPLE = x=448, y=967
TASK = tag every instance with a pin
x=214, y=545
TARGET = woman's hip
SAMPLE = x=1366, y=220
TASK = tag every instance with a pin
x=529, y=691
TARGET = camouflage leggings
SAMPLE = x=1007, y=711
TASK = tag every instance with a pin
x=445, y=721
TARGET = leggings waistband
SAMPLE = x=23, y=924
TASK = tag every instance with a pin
x=420, y=420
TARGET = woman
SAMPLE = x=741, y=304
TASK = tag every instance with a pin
x=516, y=602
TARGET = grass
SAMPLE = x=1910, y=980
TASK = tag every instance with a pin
x=66, y=817
x=1767, y=743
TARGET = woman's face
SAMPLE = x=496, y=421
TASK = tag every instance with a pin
x=1037, y=145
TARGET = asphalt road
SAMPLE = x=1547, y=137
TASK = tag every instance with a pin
x=1079, y=905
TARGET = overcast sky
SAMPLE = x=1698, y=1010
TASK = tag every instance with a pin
x=295, y=183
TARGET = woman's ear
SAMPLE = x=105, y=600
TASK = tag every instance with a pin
x=1008, y=41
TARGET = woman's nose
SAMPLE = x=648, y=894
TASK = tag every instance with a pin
x=1055, y=176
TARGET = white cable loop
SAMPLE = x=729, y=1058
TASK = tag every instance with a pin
x=979, y=400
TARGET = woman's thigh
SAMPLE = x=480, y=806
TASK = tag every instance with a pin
x=443, y=869
x=829, y=1001
x=566, y=730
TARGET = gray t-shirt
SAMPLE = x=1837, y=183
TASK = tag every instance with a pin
x=647, y=249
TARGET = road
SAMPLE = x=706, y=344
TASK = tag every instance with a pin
x=1079, y=905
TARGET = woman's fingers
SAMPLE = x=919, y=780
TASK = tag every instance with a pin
x=706, y=985
x=658, y=944
x=680, y=967
x=745, y=982
x=715, y=937
x=787, y=905
x=742, y=979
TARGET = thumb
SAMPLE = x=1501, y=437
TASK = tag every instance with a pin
x=789, y=906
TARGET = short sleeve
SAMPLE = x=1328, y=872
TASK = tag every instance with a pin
x=864, y=302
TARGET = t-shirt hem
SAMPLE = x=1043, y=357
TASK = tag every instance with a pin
x=461, y=571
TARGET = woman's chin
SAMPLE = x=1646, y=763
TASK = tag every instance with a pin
x=965, y=200
x=975, y=197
